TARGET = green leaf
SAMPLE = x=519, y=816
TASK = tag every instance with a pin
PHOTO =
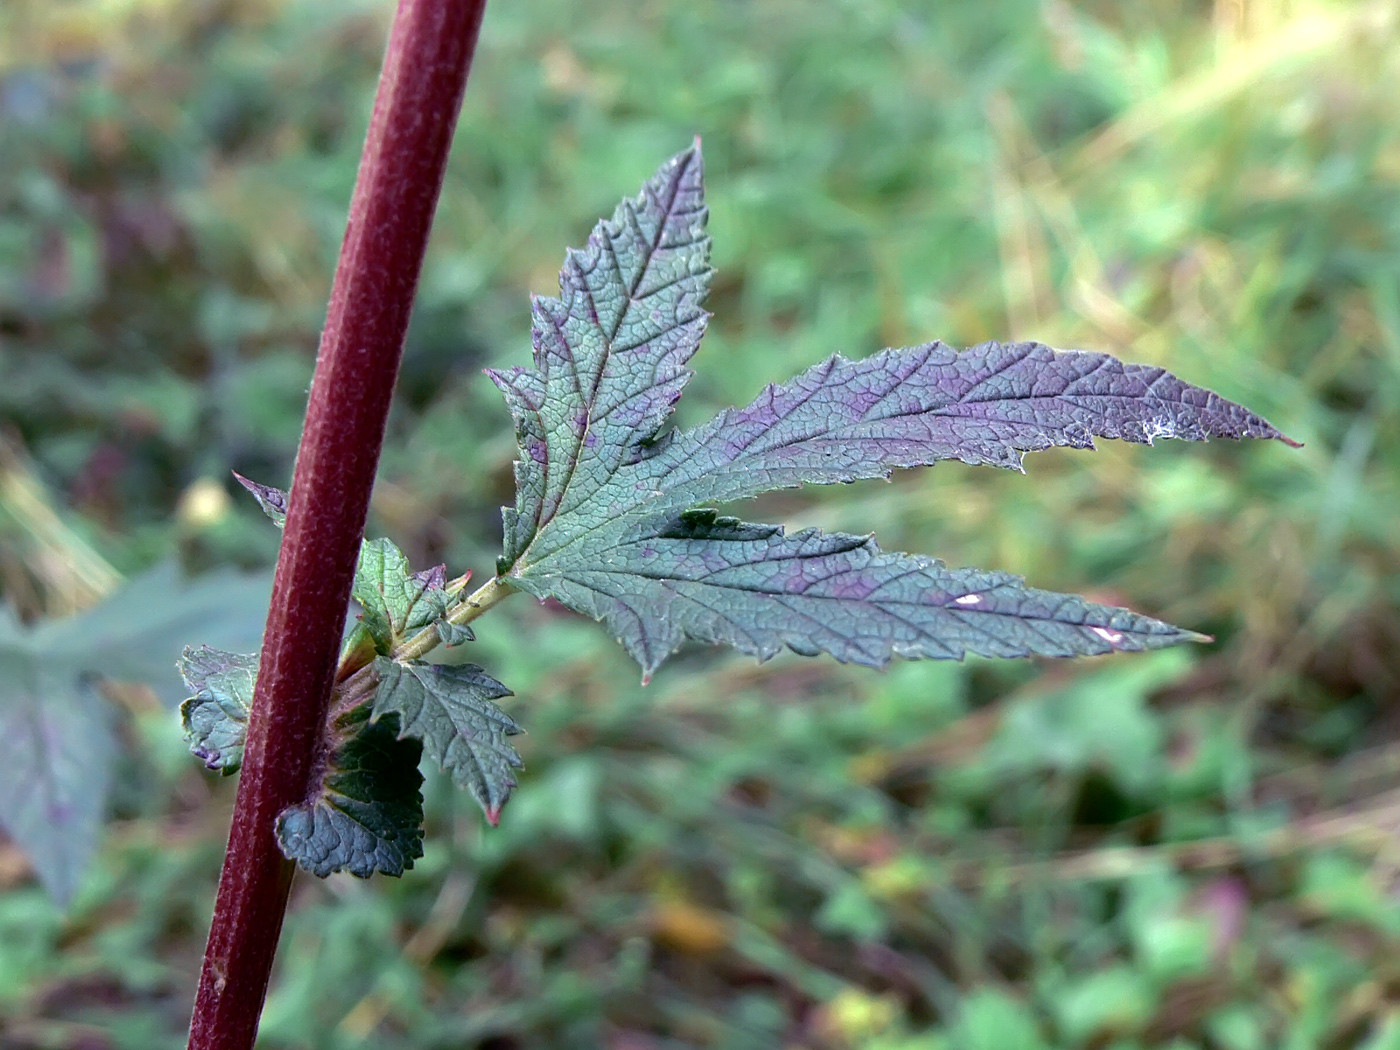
x=367, y=813
x=758, y=589
x=453, y=634
x=604, y=519
x=610, y=353
x=451, y=709
x=56, y=752
x=216, y=717
x=56, y=740
x=397, y=601
x=139, y=632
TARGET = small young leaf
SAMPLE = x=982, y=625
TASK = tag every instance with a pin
x=454, y=633
x=367, y=814
x=397, y=601
x=216, y=717
x=451, y=709
x=603, y=520
x=272, y=501
x=358, y=650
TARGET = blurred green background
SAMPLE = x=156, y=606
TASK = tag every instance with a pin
x=1191, y=849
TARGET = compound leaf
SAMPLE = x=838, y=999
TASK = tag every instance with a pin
x=604, y=518
x=758, y=589
x=451, y=709
x=215, y=718
x=367, y=814
x=846, y=420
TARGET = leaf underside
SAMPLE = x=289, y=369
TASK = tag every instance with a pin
x=215, y=718
x=755, y=588
x=605, y=519
x=367, y=815
x=451, y=709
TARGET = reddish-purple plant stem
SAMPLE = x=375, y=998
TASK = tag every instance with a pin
x=401, y=171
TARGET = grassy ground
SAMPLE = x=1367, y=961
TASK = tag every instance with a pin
x=1195, y=849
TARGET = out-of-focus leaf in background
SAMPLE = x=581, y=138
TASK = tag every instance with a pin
x=56, y=731
x=55, y=759
x=1182, y=850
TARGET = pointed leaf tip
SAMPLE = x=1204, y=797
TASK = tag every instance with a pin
x=760, y=589
x=990, y=405
x=273, y=501
x=611, y=352
x=398, y=602
x=452, y=710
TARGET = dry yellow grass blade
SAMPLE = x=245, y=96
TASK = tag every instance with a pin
x=1294, y=46
x=1037, y=182
x=70, y=574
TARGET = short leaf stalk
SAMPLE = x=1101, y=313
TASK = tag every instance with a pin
x=357, y=684
x=420, y=90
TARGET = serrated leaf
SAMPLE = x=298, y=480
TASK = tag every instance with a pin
x=367, y=815
x=610, y=352
x=397, y=601
x=272, y=501
x=453, y=634
x=451, y=709
x=602, y=520
x=847, y=420
x=215, y=718
x=758, y=589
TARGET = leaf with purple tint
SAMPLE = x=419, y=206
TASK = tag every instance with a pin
x=56, y=735
x=397, y=601
x=758, y=589
x=272, y=501
x=846, y=420
x=604, y=522
x=610, y=352
x=215, y=718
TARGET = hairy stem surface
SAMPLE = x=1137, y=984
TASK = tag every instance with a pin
x=401, y=170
